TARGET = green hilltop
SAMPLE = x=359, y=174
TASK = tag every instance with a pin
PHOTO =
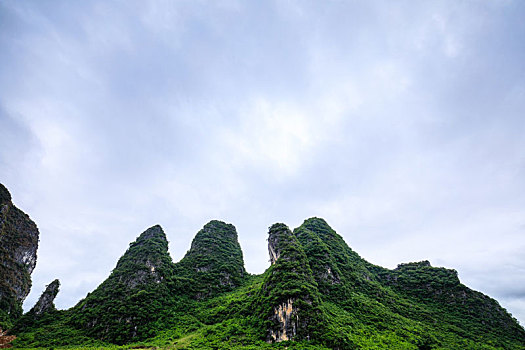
x=317, y=294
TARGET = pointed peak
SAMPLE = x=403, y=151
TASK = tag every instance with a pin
x=153, y=233
x=54, y=285
x=5, y=196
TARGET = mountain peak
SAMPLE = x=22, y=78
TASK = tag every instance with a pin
x=153, y=233
x=5, y=196
x=214, y=262
x=211, y=235
x=117, y=310
x=320, y=227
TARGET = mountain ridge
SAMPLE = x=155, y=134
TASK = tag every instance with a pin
x=318, y=293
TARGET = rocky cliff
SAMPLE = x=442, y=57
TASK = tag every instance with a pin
x=289, y=295
x=18, y=247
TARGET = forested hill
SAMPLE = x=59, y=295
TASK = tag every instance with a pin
x=317, y=294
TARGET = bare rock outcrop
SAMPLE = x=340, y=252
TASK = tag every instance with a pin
x=46, y=301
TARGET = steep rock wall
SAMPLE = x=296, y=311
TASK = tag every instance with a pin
x=18, y=247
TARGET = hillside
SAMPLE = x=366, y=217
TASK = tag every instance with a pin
x=317, y=294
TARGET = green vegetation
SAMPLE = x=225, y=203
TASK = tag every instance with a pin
x=317, y=294
x=289, y=285
x=214, y=263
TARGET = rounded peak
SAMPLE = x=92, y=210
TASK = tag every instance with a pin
x=218, y=224
x=315, y=222
x=318, y=226
x=5, y=196
x=215, y=231
x=278, y=226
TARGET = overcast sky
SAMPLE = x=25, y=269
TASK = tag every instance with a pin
x=401, y=123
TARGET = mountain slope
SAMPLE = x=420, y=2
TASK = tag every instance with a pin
x=414, y=294
x=126, y=304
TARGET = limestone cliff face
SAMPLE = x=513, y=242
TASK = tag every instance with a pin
x=18, y=247
x=292, y=301
x=287, y=317
x=45, y=302
x=274, y=248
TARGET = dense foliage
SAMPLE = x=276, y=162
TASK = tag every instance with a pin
x=214, y=263
x=318, y=293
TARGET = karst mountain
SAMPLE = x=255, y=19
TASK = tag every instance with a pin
x=317, y=293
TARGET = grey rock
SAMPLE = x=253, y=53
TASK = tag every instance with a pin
x=45, y=303
x=18, y=248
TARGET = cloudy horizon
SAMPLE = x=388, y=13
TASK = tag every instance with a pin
x=401, y=124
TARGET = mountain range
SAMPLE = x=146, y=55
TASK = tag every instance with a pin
x=318, y=293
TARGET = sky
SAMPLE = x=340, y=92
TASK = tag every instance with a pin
x=400, y=123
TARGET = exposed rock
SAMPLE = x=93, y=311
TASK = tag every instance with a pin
x=45, y=303
x=294, y=302
x=5, y=340
x=18, y=246
x=274, y=247
x=288, y=320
